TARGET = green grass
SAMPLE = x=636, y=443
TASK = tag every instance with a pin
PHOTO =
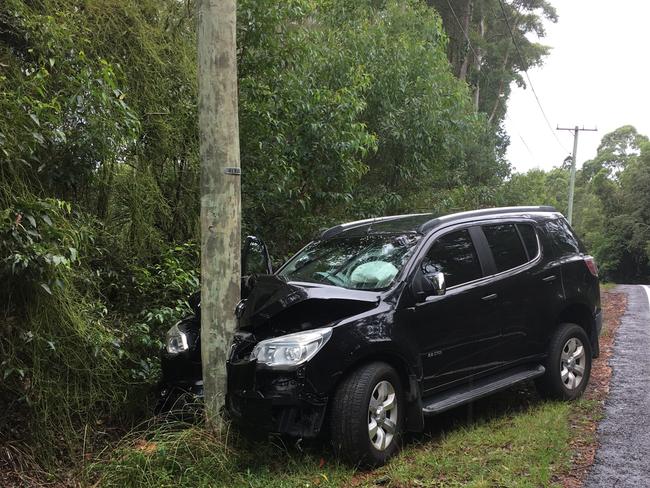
x=511, y=440
x=172, y=455
x=525, y=449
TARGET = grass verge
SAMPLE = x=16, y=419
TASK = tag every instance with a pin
x=512, y=439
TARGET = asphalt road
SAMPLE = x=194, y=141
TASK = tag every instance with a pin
x=623, y=458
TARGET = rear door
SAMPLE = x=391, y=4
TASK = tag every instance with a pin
x=527, y=287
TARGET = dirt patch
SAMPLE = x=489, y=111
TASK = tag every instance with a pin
x=585, y=423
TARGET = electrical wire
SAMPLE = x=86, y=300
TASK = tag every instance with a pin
x=530, y=82
x=469, y=43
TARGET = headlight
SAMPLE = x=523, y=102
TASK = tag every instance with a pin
x=176, y=340
x=291, y=349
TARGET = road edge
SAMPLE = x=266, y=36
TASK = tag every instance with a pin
x=590, y=409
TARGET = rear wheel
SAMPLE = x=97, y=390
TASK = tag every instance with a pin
x=368, y=415
x=568, y=365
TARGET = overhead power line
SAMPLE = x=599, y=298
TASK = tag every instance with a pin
x=530, y=82
x=469, y=43
x=462, y=29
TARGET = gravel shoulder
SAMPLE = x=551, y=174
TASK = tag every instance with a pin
x=624, y=433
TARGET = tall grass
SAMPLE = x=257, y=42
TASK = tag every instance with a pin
x=512, y=439
x=171, y=454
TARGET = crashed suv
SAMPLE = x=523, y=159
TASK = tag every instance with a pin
x=377, y=324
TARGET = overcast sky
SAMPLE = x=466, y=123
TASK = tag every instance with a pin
x=596, y=76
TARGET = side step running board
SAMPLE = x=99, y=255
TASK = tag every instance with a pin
x=478, y=389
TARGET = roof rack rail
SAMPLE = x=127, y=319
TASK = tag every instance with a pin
x=337, y=229
x=485, y=211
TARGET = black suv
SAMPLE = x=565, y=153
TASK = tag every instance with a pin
x=378, y=323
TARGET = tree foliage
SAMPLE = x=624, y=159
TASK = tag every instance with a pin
x=347, y=110
x=612, y=206
x=482, y=50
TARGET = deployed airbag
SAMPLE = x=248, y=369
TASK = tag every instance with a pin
x=379, y=274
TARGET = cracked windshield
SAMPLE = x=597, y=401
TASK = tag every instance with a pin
x=369, y=262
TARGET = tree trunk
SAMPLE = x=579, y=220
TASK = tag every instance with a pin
x=478, y=62
x=220, y=194
x=497, y=102
x=467, y=17
x=105, y=184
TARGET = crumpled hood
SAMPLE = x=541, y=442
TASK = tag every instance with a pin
x=301, y=306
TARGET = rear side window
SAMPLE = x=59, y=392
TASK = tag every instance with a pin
x=506, y=246
x=454, y=255
x=565, y=243
x=530, y=239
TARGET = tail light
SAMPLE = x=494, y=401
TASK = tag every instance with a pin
x=591, y=265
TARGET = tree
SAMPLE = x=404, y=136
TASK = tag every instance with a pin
x=612, y=202
x=615, y=152
x=537, y=187
x=347, y=110
x=481, y=49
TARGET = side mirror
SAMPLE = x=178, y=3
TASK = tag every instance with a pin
x=438, y=283
x=255, y=257
x=428, y=282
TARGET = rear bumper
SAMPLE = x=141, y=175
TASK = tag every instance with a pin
x=595, y=344
x=263, y=401
x=599, y=322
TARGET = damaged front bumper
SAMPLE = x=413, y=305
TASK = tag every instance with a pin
x=259, y=399
x=266, y=400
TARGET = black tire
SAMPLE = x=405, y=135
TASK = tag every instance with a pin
x=551, y=384
x=350, y=417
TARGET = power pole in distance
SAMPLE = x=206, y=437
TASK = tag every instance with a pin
x=572, y=181
x=220, y=194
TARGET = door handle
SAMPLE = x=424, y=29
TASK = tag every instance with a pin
x=548, y=279
x=487, y=298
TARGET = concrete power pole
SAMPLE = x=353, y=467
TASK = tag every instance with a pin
x=572, y=181
x=220, y=194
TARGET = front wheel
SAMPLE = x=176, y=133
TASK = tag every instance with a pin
x=568, y=365
x=368, y=415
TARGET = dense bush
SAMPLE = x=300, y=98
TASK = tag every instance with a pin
x=347, y=110
x=611, y=207
x=53, y=327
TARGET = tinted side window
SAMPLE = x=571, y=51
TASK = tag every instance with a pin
x=564, y=241
x=454, y=255
x=506, y=246
x=530, y=239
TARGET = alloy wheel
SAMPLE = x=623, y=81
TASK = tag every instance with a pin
x=382, y=415
x=572, y=363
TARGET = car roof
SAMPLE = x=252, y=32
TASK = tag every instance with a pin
x=425, y=222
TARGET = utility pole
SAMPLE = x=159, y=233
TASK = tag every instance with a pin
x=220, y=194
x=572, y=181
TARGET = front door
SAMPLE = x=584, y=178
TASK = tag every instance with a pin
x=456, y=333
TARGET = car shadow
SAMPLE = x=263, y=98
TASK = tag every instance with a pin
x=515, y=400
x=279, y=453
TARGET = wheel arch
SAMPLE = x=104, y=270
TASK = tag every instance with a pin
x=408, y=375
x=580, y=314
